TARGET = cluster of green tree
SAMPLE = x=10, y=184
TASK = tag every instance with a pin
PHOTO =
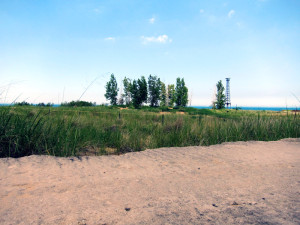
x=42, y=104
x=78, y=104
x=139, y=92
x=24, y=103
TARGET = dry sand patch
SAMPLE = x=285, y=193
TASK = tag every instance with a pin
x=231, y=183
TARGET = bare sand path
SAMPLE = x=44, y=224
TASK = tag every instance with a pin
x=232, y=183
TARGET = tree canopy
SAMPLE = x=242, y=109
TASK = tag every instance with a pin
x=139, y=92
x=163, y=94
x=112, y=90
x=127, y=90
x=171, y=95
x=220, y=102
x=181, y=92
x=154, y=86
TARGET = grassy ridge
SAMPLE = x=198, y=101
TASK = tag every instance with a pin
x=65, y=131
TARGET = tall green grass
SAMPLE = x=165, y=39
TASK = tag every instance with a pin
x=105, y=130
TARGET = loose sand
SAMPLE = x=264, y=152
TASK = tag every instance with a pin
x=231, y=183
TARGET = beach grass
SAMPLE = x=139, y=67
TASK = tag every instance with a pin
x=98, y=130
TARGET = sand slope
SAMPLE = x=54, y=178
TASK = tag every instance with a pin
x=232, y=183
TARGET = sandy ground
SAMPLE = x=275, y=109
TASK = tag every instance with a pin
x=232, y=183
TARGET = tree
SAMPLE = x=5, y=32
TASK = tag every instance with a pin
x=139, y=92
x=134, y=90
x=220, y=102
x=127, y=90
x=154, y=90
x=143, y=90
x=163, y=94
x=112, y=90
x=171, y=95
x=181, y=93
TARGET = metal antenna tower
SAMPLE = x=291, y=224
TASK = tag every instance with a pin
x=228, y=102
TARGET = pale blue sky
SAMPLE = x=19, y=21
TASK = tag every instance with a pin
x=51, y=50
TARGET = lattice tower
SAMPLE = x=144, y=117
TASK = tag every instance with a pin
x=228, y=102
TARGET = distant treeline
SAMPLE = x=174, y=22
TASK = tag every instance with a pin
x=24, y=103
x=65, y=104
x=78, y=103
x=154, y=92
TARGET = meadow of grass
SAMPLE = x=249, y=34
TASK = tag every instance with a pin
x=69, y=131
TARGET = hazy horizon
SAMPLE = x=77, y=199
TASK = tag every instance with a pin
x=195, y=106
x=51, y=51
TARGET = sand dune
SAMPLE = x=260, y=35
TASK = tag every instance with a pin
x=232, y=183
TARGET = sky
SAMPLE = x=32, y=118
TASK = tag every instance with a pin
x=56, y=51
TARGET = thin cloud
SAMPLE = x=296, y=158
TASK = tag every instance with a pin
x=152, y=20
x=110, y=39
x=163, y=39
x=201, y=10
x=231, y=13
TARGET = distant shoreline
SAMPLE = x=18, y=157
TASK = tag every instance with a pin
x=260, y=108
x=252, y=108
